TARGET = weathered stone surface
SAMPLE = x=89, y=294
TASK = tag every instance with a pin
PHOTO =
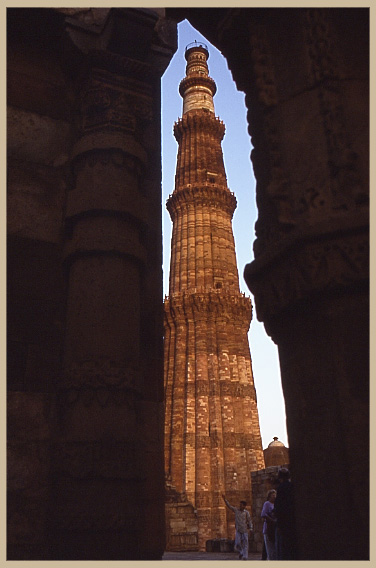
x=36, y=138
x=36, y=198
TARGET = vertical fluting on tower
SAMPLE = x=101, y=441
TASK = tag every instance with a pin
x=212, y=433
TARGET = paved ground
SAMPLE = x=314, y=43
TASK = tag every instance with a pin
x=208, y=556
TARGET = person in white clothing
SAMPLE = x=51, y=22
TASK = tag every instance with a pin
x=243, y=523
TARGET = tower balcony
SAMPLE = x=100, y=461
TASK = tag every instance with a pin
x=205, y=195
x=201, y=121
x=197, y=81
x=196, y=46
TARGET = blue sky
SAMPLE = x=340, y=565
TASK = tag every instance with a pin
x=229, y=107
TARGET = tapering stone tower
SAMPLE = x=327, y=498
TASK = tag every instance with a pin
x=212, y=433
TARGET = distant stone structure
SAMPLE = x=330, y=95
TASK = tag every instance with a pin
x=212, y=432
x=276, y=453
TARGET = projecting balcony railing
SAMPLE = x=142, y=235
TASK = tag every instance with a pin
x=196, y=44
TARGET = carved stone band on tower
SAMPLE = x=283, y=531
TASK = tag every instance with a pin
x=212, y=433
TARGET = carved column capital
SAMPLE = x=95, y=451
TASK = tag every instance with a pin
x=311, y=267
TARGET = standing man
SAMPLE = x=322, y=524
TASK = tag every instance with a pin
x=243, y=523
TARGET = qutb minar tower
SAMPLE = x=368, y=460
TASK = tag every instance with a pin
x=212, y=432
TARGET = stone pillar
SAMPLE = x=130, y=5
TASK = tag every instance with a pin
x=110, y=397
x=308, y=115
x=38, y=141
x=310, y=273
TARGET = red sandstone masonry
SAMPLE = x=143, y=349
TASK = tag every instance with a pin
x=212, y=433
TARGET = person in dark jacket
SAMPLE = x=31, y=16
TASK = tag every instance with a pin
x=285, y=515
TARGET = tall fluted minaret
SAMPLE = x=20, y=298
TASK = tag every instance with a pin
x=212, y=433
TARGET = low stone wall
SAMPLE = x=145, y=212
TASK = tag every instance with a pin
x=220, y=545
x=181, y=527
